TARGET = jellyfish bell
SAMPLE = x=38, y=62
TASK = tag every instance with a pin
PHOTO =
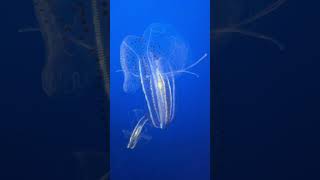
x=160, y=44
x=165, y=43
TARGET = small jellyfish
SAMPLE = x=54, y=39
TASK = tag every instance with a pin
x=151, y=63
x=137, y=133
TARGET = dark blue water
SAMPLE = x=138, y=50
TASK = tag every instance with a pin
x=181, y=151
x=58, y=137
x=265, y=100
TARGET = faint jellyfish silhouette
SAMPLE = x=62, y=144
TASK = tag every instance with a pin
x=152, y=62
x=239, y=27
x=67, y=31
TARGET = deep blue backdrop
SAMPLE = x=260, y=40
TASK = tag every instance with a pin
x=61, y=137
x=266, y=101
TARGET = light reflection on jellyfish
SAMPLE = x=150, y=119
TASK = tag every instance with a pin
x=152, y=62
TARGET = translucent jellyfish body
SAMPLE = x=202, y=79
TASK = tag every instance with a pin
x=151, y=63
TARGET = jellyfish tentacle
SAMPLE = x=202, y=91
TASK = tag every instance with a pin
x=171, y=89
x=144, y=91
x=236, y=28
x=170, y=73
x=185, y=70
x=253, y=34
x=260, y=14
x=197, y=62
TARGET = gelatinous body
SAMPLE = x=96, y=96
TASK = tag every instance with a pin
x=159, y=91
x=151, y=63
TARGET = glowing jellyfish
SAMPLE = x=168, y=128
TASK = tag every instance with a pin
x=151, y=63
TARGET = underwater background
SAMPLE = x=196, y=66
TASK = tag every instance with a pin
x=182, y=151
x=265, y=101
